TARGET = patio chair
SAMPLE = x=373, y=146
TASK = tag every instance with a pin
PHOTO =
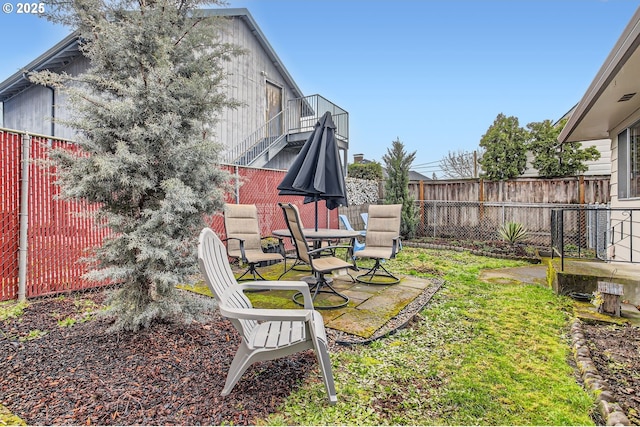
x=382, y=243
x=320, y=265
x=347, y=225
x=244, y=241
x=266, y=334
x=365, y=219
x=357, y=246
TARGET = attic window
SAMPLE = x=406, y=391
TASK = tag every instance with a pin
x=626, y=97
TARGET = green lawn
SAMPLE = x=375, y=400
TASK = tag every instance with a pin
x=482, y=353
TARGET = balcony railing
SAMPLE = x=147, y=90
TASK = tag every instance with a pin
x=303, y=113
x=299, y=117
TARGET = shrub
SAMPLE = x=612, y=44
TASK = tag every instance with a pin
x=371, y=171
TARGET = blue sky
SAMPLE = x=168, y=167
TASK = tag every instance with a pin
x=434, y=73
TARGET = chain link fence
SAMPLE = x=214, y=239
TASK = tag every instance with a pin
x=482, y=220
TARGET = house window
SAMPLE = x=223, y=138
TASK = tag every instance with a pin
x=629, y=162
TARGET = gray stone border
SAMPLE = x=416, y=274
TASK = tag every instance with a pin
x=610, y=410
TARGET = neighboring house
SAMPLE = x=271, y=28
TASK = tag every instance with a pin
x=610, y=109
x=268, y=130
x=599, y=167
x=602, y=166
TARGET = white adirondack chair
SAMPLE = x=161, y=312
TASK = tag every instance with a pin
x=266, y=333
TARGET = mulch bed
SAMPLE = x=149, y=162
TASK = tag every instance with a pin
x=168, y=374
x=173, y=374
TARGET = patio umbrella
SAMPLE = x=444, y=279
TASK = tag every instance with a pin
x=316, y=173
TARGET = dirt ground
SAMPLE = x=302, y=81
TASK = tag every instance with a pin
x=615, y=350
x=173, y=374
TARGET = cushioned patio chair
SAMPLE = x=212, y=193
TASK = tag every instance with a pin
x=244, y=241
x=382, y=243
x=266, y=333
x=357, y=246
x=320, y=264
x=365, y=219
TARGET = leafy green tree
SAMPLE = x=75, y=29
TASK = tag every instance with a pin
x=553, y=159
x=505, y=149
x=371, y=171
x=143, y=113
x=398, y=163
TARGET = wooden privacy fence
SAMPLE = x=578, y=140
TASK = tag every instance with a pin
x=59, y=233
x=572, y=190
x=474, y=209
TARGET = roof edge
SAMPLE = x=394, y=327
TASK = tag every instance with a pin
x=71, y=41
x=622, y=50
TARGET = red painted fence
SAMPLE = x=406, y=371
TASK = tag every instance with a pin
x=59, y=235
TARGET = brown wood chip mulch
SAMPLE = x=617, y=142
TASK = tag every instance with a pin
x=168, y=374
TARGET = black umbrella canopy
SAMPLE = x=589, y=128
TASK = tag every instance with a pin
x=317, y=172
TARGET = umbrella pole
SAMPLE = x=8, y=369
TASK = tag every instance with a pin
x=316, y=202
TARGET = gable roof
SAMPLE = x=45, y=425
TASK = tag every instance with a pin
x=67, y=50
x=614, y=93
x=53, y=59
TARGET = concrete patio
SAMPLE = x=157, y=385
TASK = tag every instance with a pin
x=371, y=308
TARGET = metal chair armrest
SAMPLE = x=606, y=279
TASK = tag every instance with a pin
x=396, y=247
x=241, y=242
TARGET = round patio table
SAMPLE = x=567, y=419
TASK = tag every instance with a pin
x=320, y=234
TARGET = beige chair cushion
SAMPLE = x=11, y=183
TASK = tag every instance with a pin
x=383, y=227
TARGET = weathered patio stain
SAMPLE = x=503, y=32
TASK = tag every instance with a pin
x=366, y=318
x=370, y=306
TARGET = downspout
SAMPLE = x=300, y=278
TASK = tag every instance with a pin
x=53, y=110
x=24, y=218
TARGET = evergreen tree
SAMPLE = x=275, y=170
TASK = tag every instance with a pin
x=553, y=159
x=143, y=113
x=504, y=147
x=398, y=163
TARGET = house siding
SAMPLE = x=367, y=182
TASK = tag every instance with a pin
x=31, y=110
x=602, y=166
x=246, y=82
x=623, y=248
x=247, y=77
